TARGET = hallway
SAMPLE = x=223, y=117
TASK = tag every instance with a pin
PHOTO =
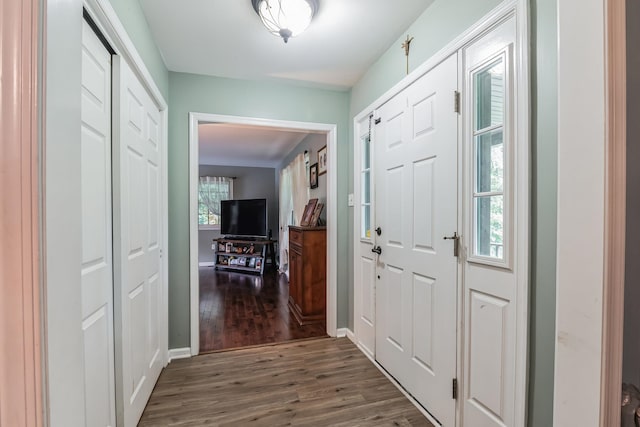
x=321, y=382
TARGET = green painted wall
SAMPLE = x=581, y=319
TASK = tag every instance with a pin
x=130, y=14
x=195, y=93
x=544, y=178
x=439, y=24
x=442, y=22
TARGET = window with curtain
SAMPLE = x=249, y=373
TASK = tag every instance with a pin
x=212, y=190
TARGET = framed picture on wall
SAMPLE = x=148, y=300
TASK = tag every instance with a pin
x=322, y=160
x=313, y=176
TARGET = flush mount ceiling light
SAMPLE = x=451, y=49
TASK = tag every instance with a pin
x=286, y=18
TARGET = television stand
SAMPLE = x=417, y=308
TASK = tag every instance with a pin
x=243, y=238
x=245, y=254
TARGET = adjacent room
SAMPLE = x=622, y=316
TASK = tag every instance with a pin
x=253, y=185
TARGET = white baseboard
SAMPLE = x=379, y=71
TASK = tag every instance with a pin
x=206, y=264
x=351, y=336
x=179, y=353
x=346, y=332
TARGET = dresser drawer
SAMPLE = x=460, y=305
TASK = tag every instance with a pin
x=295, y=236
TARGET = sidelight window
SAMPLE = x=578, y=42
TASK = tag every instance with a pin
x=489, y=160
x=365, y=179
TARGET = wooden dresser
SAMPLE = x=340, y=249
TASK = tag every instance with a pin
x=307, y=273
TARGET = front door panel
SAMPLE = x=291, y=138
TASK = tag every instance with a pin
x=416, y=199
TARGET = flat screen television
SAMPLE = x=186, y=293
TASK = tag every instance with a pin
x=246, y=217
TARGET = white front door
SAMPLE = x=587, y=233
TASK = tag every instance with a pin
x=416, y=207
x=97, y=247
x=137, y=225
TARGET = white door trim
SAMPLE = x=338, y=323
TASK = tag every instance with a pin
x=107, y=21
x=590, y=282
x=332, y=211
x=106, y=18
x=519, y=9
x=581, y=212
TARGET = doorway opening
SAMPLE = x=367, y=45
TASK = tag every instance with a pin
x=239, y=281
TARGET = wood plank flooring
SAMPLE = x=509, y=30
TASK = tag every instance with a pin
x=321, y=382
x=239, y=310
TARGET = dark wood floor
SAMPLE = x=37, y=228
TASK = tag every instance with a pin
x=239, y=310
x=321, y=382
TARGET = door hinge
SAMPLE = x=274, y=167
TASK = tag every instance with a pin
x=454, y=388
x=378, y=120
x=456, y=101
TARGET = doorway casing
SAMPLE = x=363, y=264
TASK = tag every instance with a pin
x=330, y=130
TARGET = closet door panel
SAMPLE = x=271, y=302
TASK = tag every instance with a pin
x=138, y=215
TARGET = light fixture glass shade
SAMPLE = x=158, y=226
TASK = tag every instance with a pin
x=286, y=18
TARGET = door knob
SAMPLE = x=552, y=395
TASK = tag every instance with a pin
x=377, y=250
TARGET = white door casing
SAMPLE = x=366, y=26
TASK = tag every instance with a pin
x=416, y=208
x=490, y=266
x=332, y=209
x=97, y=246
x=138, y=219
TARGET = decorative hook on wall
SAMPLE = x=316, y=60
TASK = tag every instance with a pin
x=406, y=45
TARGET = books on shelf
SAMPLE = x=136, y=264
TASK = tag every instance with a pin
x=242, y=255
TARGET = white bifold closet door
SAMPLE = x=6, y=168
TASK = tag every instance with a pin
x=97, y=245
x=137, y=223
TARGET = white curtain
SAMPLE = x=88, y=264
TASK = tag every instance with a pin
x=286, y=207
x=212, y=190
x=299, y=187
x=294, y=196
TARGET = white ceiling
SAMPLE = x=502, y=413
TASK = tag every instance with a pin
x=226, y=38
x=227, y=144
